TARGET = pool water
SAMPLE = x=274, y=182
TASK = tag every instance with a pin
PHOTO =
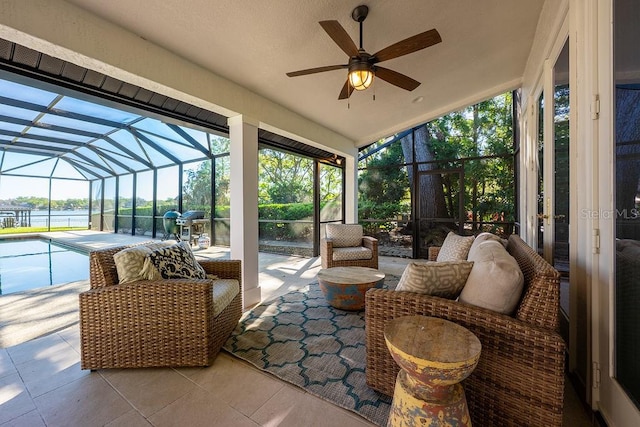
x=35, y=263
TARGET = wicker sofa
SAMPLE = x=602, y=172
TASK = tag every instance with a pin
x=519, y=380
x=153, y=323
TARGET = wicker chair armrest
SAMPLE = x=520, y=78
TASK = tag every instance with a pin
x=370, y=242
x=520, y=375
x=326, y=245
x=433, y=252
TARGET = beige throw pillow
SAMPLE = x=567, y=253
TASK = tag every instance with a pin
x=344, y=235
x=130, y=262
x=454, y=247
x=483, y=237
x=495, y=281
x=442, y=279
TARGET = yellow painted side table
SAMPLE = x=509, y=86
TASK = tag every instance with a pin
x=434, y=356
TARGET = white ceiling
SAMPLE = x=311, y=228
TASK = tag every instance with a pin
x=484, y=49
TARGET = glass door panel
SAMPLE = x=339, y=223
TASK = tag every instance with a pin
x=619, y=392
x=627, y=202
x=561, y=185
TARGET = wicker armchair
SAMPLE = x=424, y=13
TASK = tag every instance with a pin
x=153, y=323
x=519, y=379
x=346, y=246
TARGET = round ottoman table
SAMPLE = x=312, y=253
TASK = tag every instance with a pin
x=344, y=287
x=434, y=356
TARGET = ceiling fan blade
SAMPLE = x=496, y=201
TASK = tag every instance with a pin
x=406, y=46
x=396, y=78
x=316, y=70
x=340, y=36
x=346, y=91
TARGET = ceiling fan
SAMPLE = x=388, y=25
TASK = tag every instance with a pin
x=362, y=66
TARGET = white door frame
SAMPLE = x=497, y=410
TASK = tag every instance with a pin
x=612, y=402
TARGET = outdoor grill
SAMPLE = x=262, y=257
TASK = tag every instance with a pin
x=192, y=225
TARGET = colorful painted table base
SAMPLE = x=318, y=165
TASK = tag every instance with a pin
x=344, y=287
x=434, y=356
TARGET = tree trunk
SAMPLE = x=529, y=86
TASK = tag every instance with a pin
x=430, y=197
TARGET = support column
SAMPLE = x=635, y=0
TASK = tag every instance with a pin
x=351, y=188
x=243, y=133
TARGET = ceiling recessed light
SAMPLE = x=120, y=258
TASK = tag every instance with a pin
x=418, y=99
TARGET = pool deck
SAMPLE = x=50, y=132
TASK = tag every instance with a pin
x=278, y=274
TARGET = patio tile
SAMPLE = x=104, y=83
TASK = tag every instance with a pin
x=39, y=348
x=57, y=376
x=200, y=408
x=130, y=419
x=291, y=407
x=14, y=398
x=30, y=419
x=6, y=365
x=72, y=336
x=88, y=401
x=149, y=390
x=238, y=384
x=51, y=370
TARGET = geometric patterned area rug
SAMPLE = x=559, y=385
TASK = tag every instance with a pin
x=301, y=339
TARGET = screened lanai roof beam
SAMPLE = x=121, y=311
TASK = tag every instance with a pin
x=386, y=144
x=148, y=141
x=40, y=125
x=25, y=148
x=133, y=155
x=42, y=138
x=44, y=109
x=104, y=155
x=189, y=139
x=80, y=167
x=45, y=149
x=94, y=163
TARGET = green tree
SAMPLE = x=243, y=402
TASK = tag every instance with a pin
x=196, y=191
x=284, y=178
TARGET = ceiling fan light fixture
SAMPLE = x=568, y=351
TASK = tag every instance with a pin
x=360, y=76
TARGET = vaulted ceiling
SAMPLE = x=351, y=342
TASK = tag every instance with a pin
x=484, y=50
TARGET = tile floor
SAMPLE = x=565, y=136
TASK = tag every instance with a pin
x=41, y=383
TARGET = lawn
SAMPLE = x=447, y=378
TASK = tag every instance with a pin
x=16, y=230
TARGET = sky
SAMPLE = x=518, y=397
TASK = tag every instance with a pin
x=12, y=187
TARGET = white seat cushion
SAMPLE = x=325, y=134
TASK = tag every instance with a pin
x=495, y=281
x=350, y=254
x=224, y=291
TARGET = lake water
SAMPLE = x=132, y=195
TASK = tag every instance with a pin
x=79, y=218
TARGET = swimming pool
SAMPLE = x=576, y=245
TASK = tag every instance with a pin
x=35, y=263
